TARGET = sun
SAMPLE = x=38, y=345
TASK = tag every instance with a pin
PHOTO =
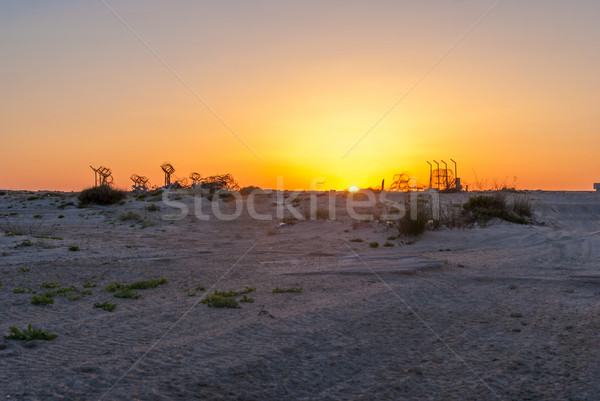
x=353, y=189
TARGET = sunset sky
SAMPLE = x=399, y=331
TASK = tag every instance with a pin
x=299, y=83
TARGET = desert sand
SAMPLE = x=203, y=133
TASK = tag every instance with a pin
x=504, y=311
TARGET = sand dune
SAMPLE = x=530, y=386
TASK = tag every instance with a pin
x=502, y=312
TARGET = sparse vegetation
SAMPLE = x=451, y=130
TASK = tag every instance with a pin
x=107, y=306
x=290, y=221
x=126, y=290
x=131, y=216
x=246, y=299
x=388, y=244
x=89, y=285
x=101, y=195
x=483, y=208
x=218, y=301
x=356, y=240
x=64, y=205
x=19, y=290
x=522, y=206
x=26, y=243
x=74, y=248
x=45, y=298
x=127, y=293
x=23, y=269
x=374, y=244
x=49, y=284
x=47, y=237
x=152, y=208
x=278, y=290
x=227, y=299
x=410, y=225
x=29, y=334
x=227, y=294
x=144, y=285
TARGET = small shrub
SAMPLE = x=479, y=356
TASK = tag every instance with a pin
x=38, y=216
x=522, y=207
x=43, y=299
x=26, y=243
x=60, y=216
x=248, y=190
x=29, y=334
x=322, y=214
x=219, y=301
x=47, y=237
x=127, y=293
x=374, y=244
x=144, y=285
x=483, y=208
x=278, y=290
x=290, y=221
x=246, y=299
x=49, y=284
x=113, y=287
x=64, y=205
x=73, y=248
x=356, y=240
x=89, y=285
x=389, y=244
x=131, y=216
x=19, y=290
x=23, y=269
x=392, y=237
x=86, y=292
x=410, y=226
x=106, y=306
x=101, y=195
x=152, y=208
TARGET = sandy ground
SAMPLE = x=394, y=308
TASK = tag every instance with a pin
x=503, y=312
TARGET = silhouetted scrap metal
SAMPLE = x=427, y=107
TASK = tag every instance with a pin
x=195, y=177
x=139, y=183
x=401, y=182
x=169, y=170
x=102, y=176
x=443, y=179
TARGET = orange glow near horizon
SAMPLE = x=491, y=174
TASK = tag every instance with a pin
x=79, y=89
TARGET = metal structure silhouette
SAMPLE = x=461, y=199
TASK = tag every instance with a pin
x=401, y=182
x=443, y=179
x=139, y=183
x=102, y=176
x=169, y=170
x=195, y=177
